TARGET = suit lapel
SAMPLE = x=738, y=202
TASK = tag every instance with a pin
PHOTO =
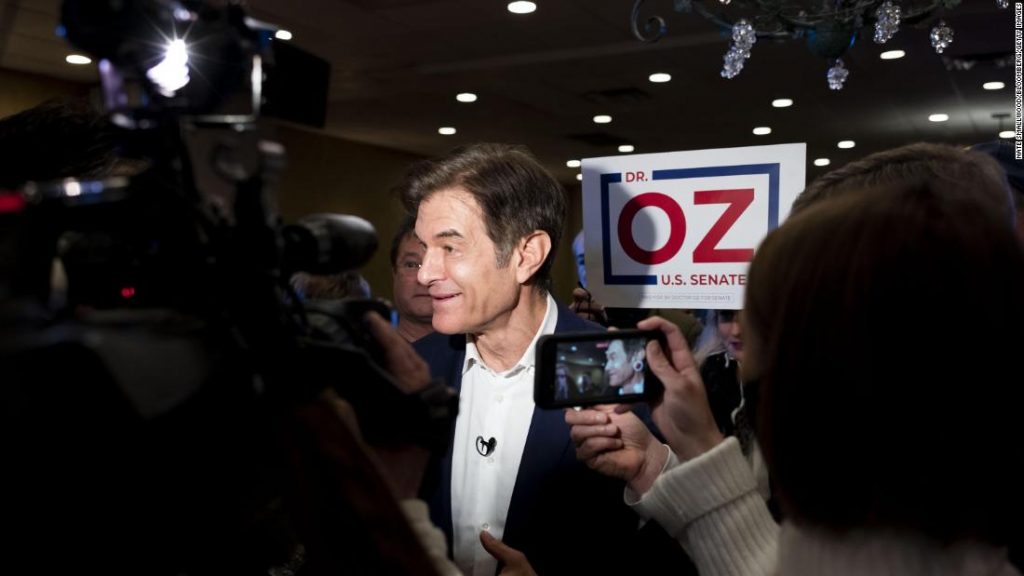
x=548, y=447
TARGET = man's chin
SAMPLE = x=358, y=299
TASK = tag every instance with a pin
x=447, y=326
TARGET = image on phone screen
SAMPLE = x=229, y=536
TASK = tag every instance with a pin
x=601, y=368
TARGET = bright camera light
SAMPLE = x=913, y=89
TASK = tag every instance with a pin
x=171, y=74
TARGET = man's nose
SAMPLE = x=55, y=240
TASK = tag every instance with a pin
x=430, y=269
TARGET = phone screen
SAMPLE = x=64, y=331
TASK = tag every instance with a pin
x=588, y=369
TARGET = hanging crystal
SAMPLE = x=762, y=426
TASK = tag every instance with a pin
x=837, y=75
x=743, y=39
x=1004, y=4
x=733, y=63
x=743, y=36
x=725, y=2
x=887, y=22
x=942, y=37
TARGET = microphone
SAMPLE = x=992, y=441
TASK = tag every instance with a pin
x=485, y=447
x=328, y=243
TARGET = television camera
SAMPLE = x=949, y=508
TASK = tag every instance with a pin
x=156, y=401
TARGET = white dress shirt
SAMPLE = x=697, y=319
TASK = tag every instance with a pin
x=495, y=405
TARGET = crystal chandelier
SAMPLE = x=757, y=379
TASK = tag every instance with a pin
x=829, y=27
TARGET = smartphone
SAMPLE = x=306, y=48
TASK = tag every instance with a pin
x=584, y=369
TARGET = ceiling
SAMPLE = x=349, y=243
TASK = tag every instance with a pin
x=540, y=78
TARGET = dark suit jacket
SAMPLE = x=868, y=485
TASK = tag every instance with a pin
x=566, y=518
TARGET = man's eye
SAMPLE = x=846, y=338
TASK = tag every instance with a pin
x=412, y=265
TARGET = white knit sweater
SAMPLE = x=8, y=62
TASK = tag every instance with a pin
x=712, y=505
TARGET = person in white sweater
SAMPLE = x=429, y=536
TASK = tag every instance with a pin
x=891, y=445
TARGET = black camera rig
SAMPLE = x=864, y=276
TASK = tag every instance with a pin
x=181, y=341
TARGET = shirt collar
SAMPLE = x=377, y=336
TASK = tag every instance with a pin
x=529, y=358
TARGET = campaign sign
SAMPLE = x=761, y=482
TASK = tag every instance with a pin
x=678, y=229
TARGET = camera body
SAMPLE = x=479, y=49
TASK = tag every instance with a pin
x=586, y=369
x=193, y=227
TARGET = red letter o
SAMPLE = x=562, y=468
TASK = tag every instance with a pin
x=677, y=228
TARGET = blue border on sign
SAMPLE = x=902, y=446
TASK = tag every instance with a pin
x=772, y=170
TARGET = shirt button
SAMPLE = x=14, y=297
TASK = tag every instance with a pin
x=490, y=460
x=499, y=397
x=485, y=526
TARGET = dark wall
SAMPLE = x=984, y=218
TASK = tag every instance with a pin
x=325, y=173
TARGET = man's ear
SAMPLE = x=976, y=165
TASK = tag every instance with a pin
x=530, y=255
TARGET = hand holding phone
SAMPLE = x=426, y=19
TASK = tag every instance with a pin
x=584, y=369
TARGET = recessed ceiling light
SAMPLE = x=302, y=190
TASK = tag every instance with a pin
x=579, y=177
x=466, y=97
x=446, y=130
x=521, y=7
x=846, y=144
x=77, y=59
x=659, y=77
x=283, y=34
x=938, y=117
x=892, y=55
x=782, y=103
x=626, y=148
x=1007, y=134
x=762, y=131
x=573, y=163
x=822, y=162
x=993, y=85
x=602, y=119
